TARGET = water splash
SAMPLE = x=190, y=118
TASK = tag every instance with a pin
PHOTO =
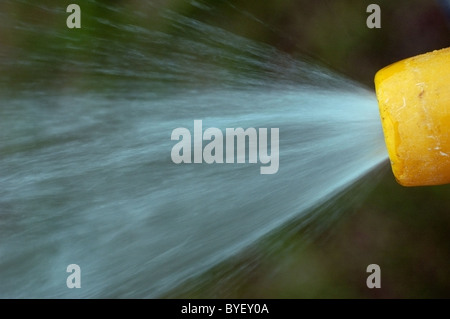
x=85, y=169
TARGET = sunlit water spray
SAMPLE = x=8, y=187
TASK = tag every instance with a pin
x=86, y=173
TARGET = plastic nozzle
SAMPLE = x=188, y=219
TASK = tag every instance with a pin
x=414, y=101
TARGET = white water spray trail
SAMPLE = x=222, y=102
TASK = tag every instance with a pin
x=86, y=175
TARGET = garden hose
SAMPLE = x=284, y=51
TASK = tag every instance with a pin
x=414, y=102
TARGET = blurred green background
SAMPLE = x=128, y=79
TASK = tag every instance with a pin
x=404, y=230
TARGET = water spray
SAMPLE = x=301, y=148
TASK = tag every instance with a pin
x=414, y=102
x=89, y=179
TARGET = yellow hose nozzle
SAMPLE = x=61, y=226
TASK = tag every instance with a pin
x=414, y=101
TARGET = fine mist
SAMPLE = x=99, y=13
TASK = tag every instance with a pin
x=85, y=169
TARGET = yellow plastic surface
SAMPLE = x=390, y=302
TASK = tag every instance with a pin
x=414, y=101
